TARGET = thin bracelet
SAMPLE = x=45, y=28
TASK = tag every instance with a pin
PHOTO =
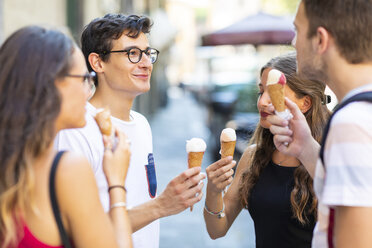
x=118, y=205
x=219, y=214
x=117, y=186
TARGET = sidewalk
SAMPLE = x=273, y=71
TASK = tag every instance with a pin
x=184, y=119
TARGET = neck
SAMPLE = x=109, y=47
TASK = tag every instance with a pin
x=44, y=158
x=285, y=160
x=344, y=77
x=118, y=102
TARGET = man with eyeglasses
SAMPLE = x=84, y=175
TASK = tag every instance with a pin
x=117, y=49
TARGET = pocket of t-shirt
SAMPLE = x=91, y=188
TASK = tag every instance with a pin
x=151, y=175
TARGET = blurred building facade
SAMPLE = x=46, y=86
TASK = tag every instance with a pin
x=75, y=14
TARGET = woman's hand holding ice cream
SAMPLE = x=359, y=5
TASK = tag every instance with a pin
x=116, y=161
x=117, y=149
x=220, y=175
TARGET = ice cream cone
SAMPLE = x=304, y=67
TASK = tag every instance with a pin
x=195, y=149
x=103, y=119
x=228, y=141
x=227, y=148
x=195, y=159
x=276, y=93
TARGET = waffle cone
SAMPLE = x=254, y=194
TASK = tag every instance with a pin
x=104, y=122
x=276, y=92
x=195, y=159
x=227, y=149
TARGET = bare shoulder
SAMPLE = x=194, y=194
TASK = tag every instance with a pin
x=72, y=163
x=75, y=178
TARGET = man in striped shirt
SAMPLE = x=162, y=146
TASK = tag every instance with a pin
x=334, y=45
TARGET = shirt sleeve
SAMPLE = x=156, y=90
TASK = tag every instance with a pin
x=74, y=140
x=348, y=159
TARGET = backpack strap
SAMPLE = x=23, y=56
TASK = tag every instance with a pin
x=364, y=96
x=53, y=199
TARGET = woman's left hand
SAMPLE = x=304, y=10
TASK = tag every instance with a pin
x=220, y=174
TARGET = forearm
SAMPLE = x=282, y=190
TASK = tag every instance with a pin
x=142, y=215
x=309, y=156
x=120, y=219
x=216, y=227
x=352, y=227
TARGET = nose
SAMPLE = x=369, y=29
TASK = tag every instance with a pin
x=264, y=100
x=145, y=60
x=294, y=40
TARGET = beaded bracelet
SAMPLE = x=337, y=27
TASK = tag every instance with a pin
x=219, y=214
x=117, y=186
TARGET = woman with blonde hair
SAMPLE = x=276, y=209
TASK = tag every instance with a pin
x=276, y=189
x=50, y=199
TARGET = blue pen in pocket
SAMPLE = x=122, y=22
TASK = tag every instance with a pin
x=151, y=175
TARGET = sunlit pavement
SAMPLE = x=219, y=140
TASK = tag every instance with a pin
x=184, y=119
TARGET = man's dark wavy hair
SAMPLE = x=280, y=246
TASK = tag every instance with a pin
x=98, y=35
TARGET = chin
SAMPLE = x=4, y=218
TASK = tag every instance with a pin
x=82, y=123
x=78, y=124
x=265, y=124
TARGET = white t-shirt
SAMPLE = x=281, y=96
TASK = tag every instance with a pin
x=348, y=159
x=141, y=178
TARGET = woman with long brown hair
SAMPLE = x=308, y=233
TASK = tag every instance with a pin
x=50, y=199
x=275, y=188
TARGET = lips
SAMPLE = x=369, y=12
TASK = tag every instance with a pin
x=264, y=114
x=142, y=76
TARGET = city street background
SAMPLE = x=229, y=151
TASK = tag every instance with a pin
x=181, y=120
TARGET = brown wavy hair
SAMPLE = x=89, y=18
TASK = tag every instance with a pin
x=303, y=200
x=31, y=60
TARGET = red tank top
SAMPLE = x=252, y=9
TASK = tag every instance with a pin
x=30, y=241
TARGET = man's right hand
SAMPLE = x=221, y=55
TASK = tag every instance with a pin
x=296, y=135
x=182, y=192
x=301, y=143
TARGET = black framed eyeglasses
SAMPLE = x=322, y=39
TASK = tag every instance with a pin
x=135, y=54
x=88, y=78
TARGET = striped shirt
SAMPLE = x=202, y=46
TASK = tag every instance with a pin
x=348, y=158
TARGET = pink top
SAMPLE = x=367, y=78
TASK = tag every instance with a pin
x=30, y=241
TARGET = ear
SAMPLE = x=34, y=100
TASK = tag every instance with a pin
x=95, y=62
x=321, y=41
x=306, y=104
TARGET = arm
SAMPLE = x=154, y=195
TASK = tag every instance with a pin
x=219, y=176
x=301, y=143
x=115, y=166
x=353, y=227
x=85, y=220
x=182, y=192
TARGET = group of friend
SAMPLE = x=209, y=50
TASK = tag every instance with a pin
x=63, y=184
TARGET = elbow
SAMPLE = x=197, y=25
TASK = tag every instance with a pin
x=214, y=235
